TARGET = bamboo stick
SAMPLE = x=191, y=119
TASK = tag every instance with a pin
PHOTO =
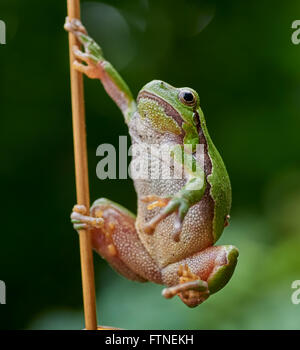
x=81, y=172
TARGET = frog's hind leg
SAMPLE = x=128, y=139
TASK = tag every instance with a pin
x=114, y=237
x=195, y=278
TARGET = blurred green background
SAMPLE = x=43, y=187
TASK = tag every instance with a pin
x=239, y=56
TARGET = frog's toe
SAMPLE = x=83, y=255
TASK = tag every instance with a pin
x=76, y=217
x=177, y=229
x=81, y=226
x=85, y=57
x=77, y=223
x=195, y=297
x=181, y=207
x=191, y=289
x=81, y=221
x=80, y=209
x=178, y=205
x=192, y=293
x=76, y=220
x=92, y=71
x=150, y=227
x=155, y=201
x=74, y=25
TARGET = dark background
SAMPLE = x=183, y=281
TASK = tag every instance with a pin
x=239, y=56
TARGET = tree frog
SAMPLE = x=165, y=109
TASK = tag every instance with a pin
x=171, y=240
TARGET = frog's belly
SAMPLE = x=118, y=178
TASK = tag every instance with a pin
x=196, y=233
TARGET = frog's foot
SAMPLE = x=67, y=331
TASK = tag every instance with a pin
x=81, y=221
x=75, y=26
x=202, y=274
x=170, y=205
x=191, y=290
x=93, y=52
x=87, y=64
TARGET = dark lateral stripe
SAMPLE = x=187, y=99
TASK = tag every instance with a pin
x=203, y=141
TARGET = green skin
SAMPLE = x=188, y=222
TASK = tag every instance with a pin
x=198, y=179
x=218, y=179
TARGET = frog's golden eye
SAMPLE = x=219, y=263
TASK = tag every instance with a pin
x=187, y=97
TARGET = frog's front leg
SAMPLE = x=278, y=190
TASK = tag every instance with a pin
x=195, y=278
x=92, y=63
x=114, y=237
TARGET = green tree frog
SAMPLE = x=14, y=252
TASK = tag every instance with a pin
x=171, y=240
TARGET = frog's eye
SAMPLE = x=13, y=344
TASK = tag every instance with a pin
x=187, y=97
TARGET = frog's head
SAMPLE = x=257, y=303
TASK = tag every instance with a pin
x=169, y=109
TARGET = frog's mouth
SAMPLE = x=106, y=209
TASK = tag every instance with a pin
x=169, y=110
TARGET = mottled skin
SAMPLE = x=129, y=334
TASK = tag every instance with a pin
x=171, y=240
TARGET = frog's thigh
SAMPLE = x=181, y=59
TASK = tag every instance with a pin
x=118, y=243
x=214, y=265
